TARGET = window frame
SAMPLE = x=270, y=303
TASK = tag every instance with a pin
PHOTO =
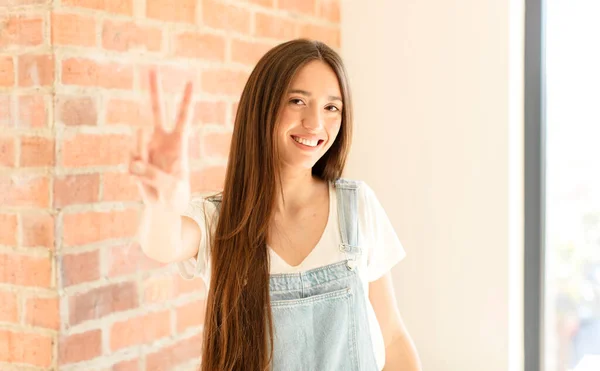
x=535, y=188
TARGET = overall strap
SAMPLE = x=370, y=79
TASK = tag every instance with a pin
x=215, y=200
x=347, y=204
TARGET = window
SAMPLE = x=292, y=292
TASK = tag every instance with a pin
x=562, y=231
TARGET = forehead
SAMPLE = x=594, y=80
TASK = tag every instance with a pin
x=316, y=77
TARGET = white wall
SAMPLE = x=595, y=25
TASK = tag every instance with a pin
x=438, y=104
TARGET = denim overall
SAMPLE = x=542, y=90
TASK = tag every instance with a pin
x=320, y=318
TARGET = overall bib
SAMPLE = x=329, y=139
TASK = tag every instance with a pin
x=320, y=318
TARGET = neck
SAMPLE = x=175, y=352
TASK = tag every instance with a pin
x=297, y=189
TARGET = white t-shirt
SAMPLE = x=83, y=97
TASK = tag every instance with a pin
x=377, y=236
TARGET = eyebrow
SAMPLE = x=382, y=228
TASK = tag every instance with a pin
x=308, y=94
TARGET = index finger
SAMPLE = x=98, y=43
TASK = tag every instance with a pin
x=156, y=102
x=182, y=117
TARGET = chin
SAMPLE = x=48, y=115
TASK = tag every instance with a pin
x=300, y=164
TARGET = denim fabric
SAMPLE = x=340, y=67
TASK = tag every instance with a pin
x=320, y=318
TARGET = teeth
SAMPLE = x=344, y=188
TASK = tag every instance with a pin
x=306, y=142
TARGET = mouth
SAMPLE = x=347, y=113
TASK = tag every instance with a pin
x=307, y=143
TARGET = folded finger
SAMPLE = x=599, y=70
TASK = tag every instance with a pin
x=151, y=175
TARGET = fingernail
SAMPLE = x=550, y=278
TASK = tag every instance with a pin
x=137, y=167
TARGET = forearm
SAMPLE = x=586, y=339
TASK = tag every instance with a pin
x=401, y=355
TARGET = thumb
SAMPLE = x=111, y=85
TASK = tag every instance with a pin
x=148, y=194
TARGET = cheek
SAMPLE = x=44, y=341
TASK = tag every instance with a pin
x=286, y=120
x=334, y=128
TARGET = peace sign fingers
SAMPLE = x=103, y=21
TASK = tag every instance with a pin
x=156, y=102
x=182, y=118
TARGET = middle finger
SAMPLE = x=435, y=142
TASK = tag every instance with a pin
x=156, y=101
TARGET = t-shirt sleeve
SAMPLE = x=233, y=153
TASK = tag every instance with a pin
x=384, y=249
x=198, y=210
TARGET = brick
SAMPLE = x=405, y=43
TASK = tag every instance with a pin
x=76, y=189
x=200, y=45
x=163, y=10
x=329, y=10
x=80, y=347
x=124, y=7
x=21, y=30
x=8, y=229
x=7, y=71
x=124, y=36
x=234, y=108
x=42, y=312
x=73, y=29
x=158, y=289
x=9, y=307
x=208, y=179
x=37, y=229
x=132, y=365
x=265, y=3
x=12, y=3
x=86, y=72
x=222, y=81
x=120, y=187
x=181, y=352
x=76, y=111
x=6, y=111
x=24, y=190
x=7, y=151
x=25, y=270
x=96, y=150
x=32, y=111
x=295, y=6
x=216, y=145
x=36, y=151
x=128, y=111
x=102, y=301
x=248, y=53
x=25, y=348
x=225, y=16
x=275, y=27
x=328, y=35
x=140, y=330
x=124, y=260
x=80, y=268
x=90, y=227
x=183, y=286
x=209, y=112
x=190, y=315
x=36, y=70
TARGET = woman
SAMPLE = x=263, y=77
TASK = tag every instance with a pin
x=296, y=259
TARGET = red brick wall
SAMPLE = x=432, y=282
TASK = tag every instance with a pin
x=75, y=294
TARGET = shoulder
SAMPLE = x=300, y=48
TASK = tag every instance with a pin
x=201, y=208
x=371, y=213
x=364, y=192
x=345, y=183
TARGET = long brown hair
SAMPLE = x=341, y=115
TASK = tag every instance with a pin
x=238, y=329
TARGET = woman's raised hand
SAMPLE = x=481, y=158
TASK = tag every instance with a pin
x=160, y=162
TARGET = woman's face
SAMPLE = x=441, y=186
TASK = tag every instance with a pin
x=310, y=117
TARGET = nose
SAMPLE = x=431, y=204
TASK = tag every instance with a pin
x=313, y=120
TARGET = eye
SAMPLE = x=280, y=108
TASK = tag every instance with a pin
x=296, y=101
x=332, y=108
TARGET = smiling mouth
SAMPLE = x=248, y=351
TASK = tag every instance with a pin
x=306, y=142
